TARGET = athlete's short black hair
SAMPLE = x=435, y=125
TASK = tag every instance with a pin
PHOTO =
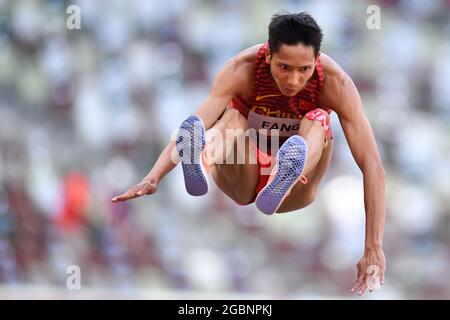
x=292, y=29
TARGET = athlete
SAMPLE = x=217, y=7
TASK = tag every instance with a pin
x=264, y=136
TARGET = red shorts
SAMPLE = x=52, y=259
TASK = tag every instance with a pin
x=264, y=160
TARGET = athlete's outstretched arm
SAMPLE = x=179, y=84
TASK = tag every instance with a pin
x=346, y=102
x=226, y=85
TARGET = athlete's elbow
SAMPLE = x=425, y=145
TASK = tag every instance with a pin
x=380, y=174
x=375, y=169
x=381, y=170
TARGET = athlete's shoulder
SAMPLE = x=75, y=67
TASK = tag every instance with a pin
x=249, y=54
x=239, y=70
x=244, y=61
x=330, y=67
x=336, y=82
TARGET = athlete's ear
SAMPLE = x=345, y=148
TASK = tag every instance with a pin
x=318, y=55
x=268, y=55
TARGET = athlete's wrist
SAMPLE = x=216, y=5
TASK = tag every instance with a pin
x=374, y=238
x=152, y=177
x=373, y=246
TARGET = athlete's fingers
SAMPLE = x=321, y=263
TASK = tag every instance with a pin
x=357, y=287
x=362, y=289
x=372, y=281
x=382, y=277
x=136, y=191
x=125, y=196
x=358, y=281
x=131, y=193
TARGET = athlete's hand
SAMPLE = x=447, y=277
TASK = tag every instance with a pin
x=371, y=269
x=147, y=186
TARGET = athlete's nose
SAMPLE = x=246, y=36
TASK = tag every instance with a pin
x=293, y=80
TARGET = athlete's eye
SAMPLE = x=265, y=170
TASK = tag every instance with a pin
x=304, y=69
x=284, y=67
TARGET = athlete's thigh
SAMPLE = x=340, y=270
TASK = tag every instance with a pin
x=235, y=173
x=238, y=179
x=303, y=194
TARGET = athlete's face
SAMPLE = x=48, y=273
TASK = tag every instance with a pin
x=291, y=67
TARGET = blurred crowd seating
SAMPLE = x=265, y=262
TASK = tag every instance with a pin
x=85, y=113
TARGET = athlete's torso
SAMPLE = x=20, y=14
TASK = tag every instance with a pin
x=266, y=109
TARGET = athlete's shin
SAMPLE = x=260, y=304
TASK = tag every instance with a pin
x=314, y=134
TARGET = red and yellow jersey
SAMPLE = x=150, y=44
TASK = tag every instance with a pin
x=268, y=109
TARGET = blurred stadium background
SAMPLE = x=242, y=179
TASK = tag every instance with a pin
x=84, y=114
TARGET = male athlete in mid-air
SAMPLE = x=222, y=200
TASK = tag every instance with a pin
x=282, y=91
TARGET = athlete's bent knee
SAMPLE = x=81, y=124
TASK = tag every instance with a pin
x=309, y=198
x=320, y=117
x=306, y=199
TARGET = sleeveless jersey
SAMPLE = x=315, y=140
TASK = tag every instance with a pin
x=267, y=109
